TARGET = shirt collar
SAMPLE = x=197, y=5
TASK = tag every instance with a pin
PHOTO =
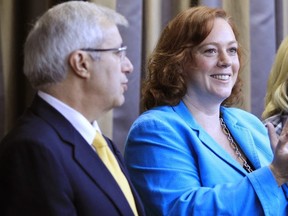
x=79, y=122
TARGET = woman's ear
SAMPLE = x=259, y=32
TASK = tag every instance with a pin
x=78, y=62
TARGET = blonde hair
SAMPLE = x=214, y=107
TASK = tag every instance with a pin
x=276, y=99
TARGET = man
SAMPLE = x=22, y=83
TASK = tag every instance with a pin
x=75, y=59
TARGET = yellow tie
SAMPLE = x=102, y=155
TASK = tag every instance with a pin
x=104, y=152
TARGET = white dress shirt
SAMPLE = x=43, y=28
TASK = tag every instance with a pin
x=80, y=123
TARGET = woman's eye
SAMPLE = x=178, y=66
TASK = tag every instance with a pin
x=210, y=51
x=233, y=50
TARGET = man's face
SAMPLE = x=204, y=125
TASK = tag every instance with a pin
x=109, y=76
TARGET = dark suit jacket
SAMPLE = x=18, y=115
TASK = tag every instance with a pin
x=47, y=168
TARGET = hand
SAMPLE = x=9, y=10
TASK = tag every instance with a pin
x=279, y=165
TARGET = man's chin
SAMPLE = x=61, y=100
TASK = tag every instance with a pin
x=120, y=101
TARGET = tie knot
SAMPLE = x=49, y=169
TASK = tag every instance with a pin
x=99, y=141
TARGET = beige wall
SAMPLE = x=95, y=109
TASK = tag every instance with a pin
x=107, y=3
x=285, y=19
x=6, y=20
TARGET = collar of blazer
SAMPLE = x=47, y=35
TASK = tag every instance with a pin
x=242, y=136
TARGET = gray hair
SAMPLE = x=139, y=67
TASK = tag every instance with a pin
x=63, y=29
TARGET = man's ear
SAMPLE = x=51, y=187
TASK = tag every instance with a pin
x=78, y=61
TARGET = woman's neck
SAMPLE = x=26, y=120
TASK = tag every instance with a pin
x=207, y=115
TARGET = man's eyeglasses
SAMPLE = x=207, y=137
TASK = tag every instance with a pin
x=121, y=51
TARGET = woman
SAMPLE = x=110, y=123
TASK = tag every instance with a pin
x=276, y=103
x=191, y=153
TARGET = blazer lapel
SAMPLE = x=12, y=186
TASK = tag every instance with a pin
x=244, y=139
x=219, y=151
x=205, y=138
x=83, y=153
x=118, y=155
x=94, y=167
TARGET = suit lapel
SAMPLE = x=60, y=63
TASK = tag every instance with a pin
x=219, y=151
x=244, y=139
x=205, y=138
x=118, y=155
x=98, y=172
x=84, y=155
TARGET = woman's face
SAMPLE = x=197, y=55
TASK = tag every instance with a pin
x=216, y=65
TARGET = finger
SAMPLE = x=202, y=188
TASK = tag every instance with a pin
x=283, y=138
x=285, y=127
x=272, y=135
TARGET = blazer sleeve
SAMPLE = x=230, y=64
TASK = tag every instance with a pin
x=163, y=157
x=33, y=182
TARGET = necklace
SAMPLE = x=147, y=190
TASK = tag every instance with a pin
x=234, y=146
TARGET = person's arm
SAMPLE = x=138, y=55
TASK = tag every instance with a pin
x=279, y=165
x=164, y=166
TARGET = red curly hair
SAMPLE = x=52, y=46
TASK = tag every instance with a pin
x=165, y=82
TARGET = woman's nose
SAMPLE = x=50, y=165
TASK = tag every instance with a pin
x=224, y=60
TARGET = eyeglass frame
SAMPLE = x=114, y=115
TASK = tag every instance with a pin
x=121, y=50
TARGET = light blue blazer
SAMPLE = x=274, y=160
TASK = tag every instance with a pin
x=178, y=169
